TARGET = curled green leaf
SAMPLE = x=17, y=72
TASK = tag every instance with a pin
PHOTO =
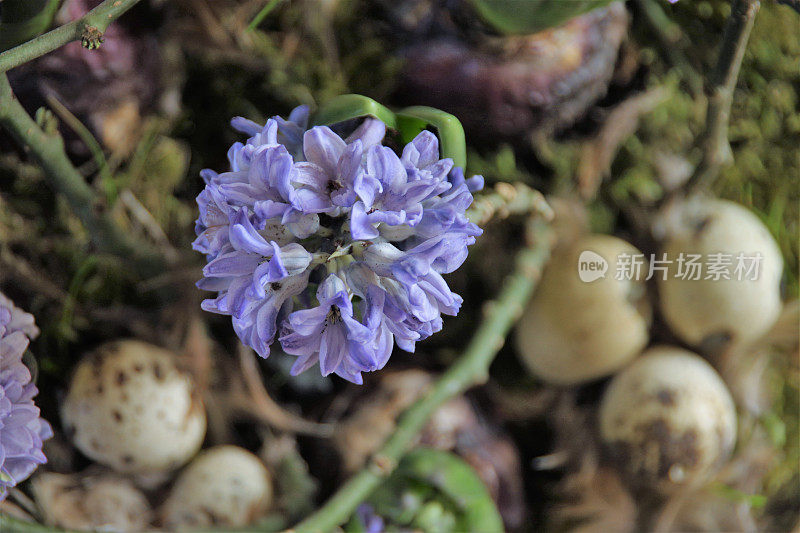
x=350, y=106
x=452, y=141
x=433, y=490
x=529, y=16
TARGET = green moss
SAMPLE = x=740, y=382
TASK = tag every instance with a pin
x=765, y=132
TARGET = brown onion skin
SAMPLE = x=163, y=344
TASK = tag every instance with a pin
x=517, y=85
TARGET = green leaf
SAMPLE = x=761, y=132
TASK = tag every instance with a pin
x=531, y=16
x=437, y=491
x=451, y=475
x=452, y=142
x=409, y=122
x=350, y=106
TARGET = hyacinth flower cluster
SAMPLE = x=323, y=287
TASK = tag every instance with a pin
x=22, y=431
x=334, y=247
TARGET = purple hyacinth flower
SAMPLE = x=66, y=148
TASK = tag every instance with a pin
x=335, y=245
x=22, y=431
x=394, y=188
x=212, y=225
x=330, y=335
x=288, y=133
x=257, y=325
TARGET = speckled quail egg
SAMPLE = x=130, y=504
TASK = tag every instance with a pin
x=100, y=502
x=224, y=486
x=130, y=408
x=667, y=419
x=584, y=323
x=729, y=240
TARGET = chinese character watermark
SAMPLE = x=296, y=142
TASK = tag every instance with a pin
x=691, y=267
x=629, y=267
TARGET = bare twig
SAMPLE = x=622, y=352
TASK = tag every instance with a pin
x=598, y=154
x=149, y=223
x=260, y=404
x=16, y=268
x=714, y=142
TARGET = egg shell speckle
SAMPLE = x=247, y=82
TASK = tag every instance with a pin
x=224, y=486
x=101, y=502
x=130, y=408
x=668, y=419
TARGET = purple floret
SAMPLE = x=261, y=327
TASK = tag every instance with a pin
x=22, y=431
x=369, y=519
x=335, y=247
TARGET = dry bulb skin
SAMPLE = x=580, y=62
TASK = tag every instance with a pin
x=574, y=330
x=95, y=502
x=668, y=420
x=513, y=86
x=130, y=408
x=225, y=486
x=736, y=295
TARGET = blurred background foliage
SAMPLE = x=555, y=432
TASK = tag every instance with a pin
x=215, y=64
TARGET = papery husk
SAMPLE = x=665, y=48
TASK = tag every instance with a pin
x=537, y=83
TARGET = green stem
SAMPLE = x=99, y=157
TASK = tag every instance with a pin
x=508, y=199
x=80, y=129
x=471, y=369
x=98, y=18
x=48, y=151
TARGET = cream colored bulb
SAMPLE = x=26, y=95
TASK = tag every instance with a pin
x=590, y=314
x=735, y=295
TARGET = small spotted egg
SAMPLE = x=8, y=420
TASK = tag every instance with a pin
x=129, y=407
x=668, y=419
x=224, y=486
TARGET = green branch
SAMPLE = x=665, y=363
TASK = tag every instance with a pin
x=64, y=178
x=508, y=199
x=91, y=25
x=471, y=369
x=18, y=525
